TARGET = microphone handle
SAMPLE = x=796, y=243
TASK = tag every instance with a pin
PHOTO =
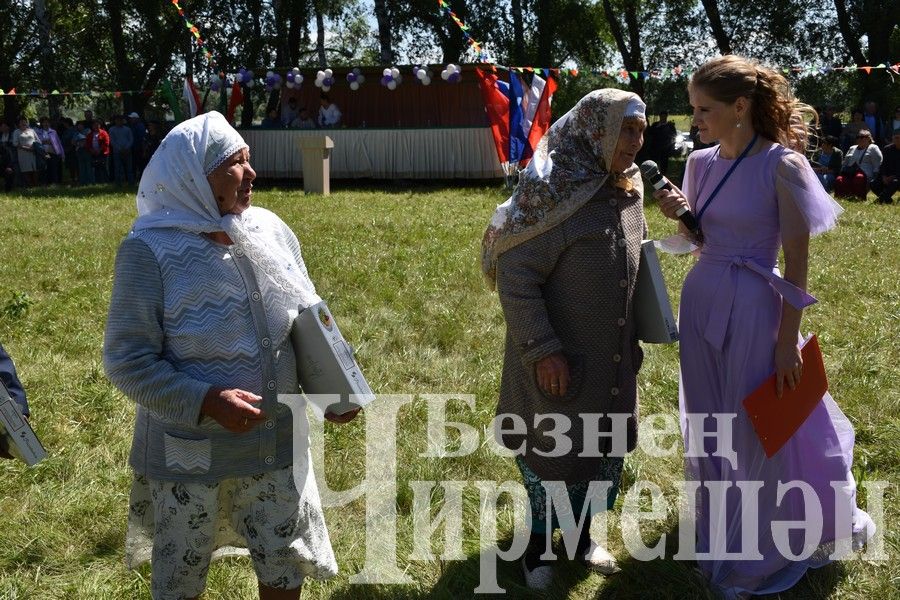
x=687, y=217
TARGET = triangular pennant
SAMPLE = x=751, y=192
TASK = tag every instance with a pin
x=867, y=69
x=574, y=72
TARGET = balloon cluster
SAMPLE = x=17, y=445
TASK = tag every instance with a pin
x=293, y=78
x=325, y=79
x=451, y=74
x=355, y=78
x=391, y=78
x=422, y=75
x=244, y=76
x=273, y=81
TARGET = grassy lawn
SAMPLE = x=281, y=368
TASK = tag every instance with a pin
x=399, y=268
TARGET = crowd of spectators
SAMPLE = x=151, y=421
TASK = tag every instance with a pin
x=859, y=156
x=62, y=151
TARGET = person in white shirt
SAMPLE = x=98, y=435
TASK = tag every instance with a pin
x=329, y=113
x=861, y=165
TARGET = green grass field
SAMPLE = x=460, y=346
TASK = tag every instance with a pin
x=399, y=268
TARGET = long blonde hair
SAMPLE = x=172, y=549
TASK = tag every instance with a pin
x=775, y=114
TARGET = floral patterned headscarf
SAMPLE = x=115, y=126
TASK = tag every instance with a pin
x=570, y=165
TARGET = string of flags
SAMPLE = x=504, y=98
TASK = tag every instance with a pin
x=195, y=32
x=450, y=74
x=480, y=54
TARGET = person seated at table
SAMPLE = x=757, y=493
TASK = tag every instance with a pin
x=271, y=121
x=304, y=121
x=289, y=111
x=329, y=113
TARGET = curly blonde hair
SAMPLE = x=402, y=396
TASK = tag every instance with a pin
x=775, y=114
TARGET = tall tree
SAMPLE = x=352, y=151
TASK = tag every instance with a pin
x=876, y=21
x=385, y=37
x=628, y=40
x=723, y=39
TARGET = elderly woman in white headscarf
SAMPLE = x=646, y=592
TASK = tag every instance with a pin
x=563, y=254
x=205, y=290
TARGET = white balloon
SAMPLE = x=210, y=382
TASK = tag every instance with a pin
x=354, y=85
x=320, y=75
x=360, y=79
x=445, y=74
x=451, y=68
x=426, y=80
x=290, y=85
x=392, y=85
x=421, y=74
x=325, y=88
x=395, y=72
x=386, y=72
x=318, y=82
x=239, y=78
x=298, y=79
x=250, y=83
x=269, y=73
x=329, y=73
x=296, y=70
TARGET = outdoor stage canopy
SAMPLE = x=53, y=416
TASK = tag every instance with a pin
x=436, y=131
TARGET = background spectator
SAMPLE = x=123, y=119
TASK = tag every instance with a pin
x=659, y=140
x=329, y=113
x=152, y=141
x=827, y=162
x=24, y=139
x=303, y=120
x=861, y=166
x=852, y=129
x=7, y=156
x=82, y=154
x=121, y=141
x=887, y=183
x=97, y=143
x=289, y=111
x=874, y=123
x=138, y=132
x=53, y=147
x=271, y=121
x=829, y=123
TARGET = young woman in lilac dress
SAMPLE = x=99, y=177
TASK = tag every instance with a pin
x=740, y=322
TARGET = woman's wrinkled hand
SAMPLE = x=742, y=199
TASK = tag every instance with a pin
x=788, y=366
x=670, y=201
x=553, y=374
x=344, y=418
x=233, y=409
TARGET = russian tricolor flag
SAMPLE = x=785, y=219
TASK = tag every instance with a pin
x=519, y=115
x=192, y=97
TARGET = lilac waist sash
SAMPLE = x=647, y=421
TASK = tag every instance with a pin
x=761, y=261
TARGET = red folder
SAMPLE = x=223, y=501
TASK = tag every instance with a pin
x=776, y=419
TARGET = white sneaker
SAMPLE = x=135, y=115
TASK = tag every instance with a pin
x=539, y=578
x=598, y=559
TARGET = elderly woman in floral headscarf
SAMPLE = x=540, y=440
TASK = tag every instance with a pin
x=205, y=291
x=563, y=254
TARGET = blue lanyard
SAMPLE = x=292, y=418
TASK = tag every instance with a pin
x=727, y=175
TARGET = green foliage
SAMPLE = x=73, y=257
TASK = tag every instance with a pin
x=399, y=267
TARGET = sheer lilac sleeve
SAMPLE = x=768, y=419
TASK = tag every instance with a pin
x=804, y=207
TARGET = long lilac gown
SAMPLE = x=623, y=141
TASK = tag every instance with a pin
x=729, y=318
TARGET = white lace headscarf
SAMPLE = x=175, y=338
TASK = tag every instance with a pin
x=174, y=193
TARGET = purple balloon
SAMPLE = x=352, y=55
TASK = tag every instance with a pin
x=386, y=80
x=328, y=81
x=215, y=86
x=351, y=77
x=454, y=77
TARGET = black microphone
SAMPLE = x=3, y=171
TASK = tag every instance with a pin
x=651, y=173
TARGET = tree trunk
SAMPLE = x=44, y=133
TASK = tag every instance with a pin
x=385, y=41
x=630, y=49
x=851, y=37
x=320, y=37
x=47, y=70
x=518, y=33
x=715, y=22
x=546, y=26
